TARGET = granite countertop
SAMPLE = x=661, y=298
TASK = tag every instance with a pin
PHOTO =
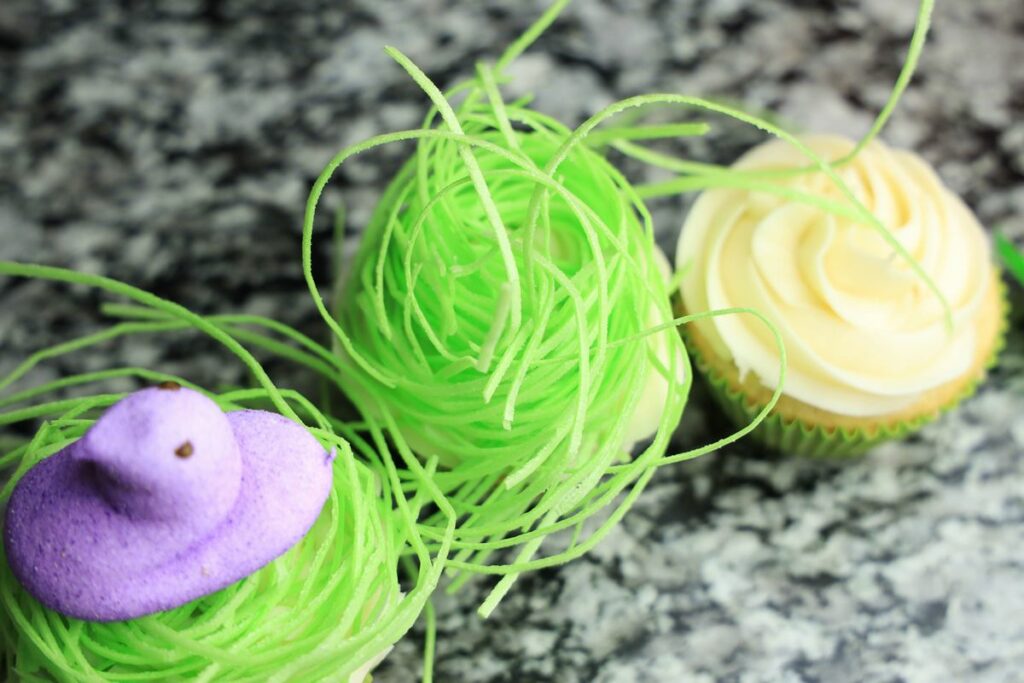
x=173, y=149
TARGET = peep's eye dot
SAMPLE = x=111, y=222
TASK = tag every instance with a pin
x=184, y=450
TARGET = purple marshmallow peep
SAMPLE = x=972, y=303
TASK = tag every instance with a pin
x=165, y=499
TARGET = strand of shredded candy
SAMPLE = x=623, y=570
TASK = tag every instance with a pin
x=1011, y=257
x=321, y=610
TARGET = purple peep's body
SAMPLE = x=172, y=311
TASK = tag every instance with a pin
x=164, y=500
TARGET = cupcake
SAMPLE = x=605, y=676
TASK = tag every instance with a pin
x=871, y=355
x=171, y=540
x=502, y=327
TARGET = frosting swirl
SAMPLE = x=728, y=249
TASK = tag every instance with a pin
x=864, y=334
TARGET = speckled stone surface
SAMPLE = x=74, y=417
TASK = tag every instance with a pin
x=173, y=148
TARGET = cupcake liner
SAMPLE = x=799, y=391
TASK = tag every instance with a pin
x=795, y=436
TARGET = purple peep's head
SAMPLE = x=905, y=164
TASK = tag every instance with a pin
x=164, y=454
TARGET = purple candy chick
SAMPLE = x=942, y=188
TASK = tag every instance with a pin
x=165, y=499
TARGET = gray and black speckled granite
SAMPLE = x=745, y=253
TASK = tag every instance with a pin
x=173, y=148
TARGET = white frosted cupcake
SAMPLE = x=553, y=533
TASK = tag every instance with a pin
x=870, y=354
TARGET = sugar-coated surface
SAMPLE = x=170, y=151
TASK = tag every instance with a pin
x=164, y=500
x=174, y=150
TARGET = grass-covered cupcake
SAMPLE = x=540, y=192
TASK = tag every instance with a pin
x=152, y=544
x=873, y=350
x=174, y=534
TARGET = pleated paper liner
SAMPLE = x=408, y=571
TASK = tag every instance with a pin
x=798, y=436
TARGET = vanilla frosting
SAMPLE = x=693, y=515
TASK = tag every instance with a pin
x=361, y=674
x=864, y=334
x=646, y=416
